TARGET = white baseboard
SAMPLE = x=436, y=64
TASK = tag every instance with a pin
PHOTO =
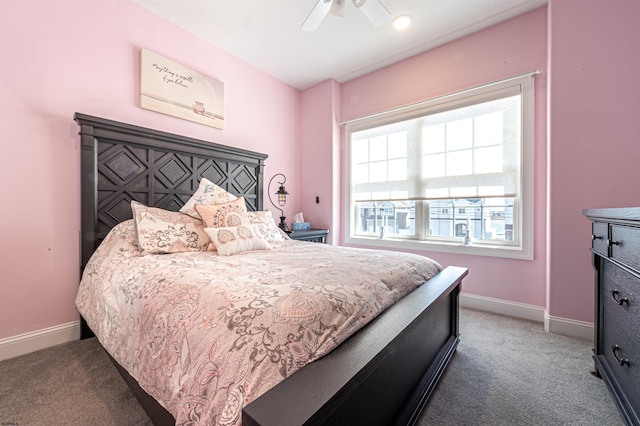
x=568, y=327
x=557, y=325
x=39, y=339
x=502, y=307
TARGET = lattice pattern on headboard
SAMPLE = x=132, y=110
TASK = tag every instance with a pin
x=121, y=162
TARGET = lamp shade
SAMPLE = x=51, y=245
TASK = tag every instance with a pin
x=282, y=195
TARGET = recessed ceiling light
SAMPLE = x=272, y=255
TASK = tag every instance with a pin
x=402, y=22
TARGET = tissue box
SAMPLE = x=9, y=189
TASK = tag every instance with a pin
x=301, y=226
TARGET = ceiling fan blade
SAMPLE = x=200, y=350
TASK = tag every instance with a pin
x=373, y=10
x=317, y=14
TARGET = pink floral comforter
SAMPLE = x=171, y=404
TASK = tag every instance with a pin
x=206, y=334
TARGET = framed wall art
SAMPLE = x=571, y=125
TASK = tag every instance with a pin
x=174, y=89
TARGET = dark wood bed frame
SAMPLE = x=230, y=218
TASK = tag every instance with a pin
x=382, y=375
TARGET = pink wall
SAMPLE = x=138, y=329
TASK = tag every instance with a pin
x=586, y=128
x=594, y=145
x=84, y=56
x=57, y=58
x=320, y=161
x=511, y=48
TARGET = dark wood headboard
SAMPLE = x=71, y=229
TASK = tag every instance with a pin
x=121, y=162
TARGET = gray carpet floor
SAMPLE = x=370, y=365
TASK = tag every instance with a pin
x=506, y=372
x=509, y=371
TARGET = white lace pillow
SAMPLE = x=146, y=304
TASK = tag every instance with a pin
x=207, y=193
x=236, y=239
x=163, y=231
x=263, y=222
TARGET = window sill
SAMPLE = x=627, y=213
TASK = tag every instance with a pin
x=510, y=252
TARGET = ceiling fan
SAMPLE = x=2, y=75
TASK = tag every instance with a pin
x=372, y=9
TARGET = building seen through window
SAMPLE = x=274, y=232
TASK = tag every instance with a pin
x=484, y=219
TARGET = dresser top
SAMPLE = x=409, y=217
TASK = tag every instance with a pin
x=622, y=213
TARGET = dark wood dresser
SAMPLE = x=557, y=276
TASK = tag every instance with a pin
x=615, y=245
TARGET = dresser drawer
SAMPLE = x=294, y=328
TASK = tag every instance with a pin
x=626, y=376
x=621, y=320
x=599, y=235
x=627, y=284
x=625, y=245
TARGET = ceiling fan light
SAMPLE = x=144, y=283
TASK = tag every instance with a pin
x=337, y=8
x=402, y=22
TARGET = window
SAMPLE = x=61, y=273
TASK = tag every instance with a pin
x=426, y=175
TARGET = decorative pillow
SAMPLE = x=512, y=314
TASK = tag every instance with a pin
x=263, y=223
x=207, y=193
x=163, y=231
x=233, y=213
x=236, y=239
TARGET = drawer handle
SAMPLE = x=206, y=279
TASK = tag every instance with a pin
x=595, y=237
x=621, y=361
x=612, y=243
x=621, y=300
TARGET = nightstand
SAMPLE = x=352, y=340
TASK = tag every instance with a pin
x=313, y=235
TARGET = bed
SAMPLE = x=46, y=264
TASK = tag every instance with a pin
x=382, y=374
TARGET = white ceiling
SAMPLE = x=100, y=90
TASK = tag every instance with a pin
x=267, y=33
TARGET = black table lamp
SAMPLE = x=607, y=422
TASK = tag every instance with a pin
x=282, y=199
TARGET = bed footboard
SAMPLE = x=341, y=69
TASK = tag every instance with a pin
x=382, y=375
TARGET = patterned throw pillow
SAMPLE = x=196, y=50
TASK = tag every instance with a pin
x=236, y=239
x=264, y=224
x=233, y=213
x=163, y=231
x=207, y=193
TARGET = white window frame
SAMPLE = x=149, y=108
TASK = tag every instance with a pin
x=525, y=208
